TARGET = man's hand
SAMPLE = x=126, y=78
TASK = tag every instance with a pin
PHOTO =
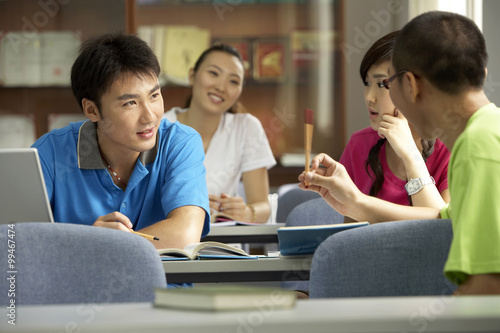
x=115, y=220
x=338, y=190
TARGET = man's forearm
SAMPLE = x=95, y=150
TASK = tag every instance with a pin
x=481, y=284
x=183, y=226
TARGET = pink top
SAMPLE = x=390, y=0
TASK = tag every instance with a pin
x=356, y=154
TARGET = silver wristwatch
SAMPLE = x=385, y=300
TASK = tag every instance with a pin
x=415, y=185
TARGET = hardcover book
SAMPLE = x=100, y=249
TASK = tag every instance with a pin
x=224, y=298
x=301, y=240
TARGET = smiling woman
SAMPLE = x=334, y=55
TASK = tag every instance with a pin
x=236, y=146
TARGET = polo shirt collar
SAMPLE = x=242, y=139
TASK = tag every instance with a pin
x=89, y=156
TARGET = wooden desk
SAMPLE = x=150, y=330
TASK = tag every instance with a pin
x=265, y=233
x=237, y=270
x=389, y=315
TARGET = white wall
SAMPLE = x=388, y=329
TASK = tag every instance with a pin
x=491, y=9
x=365, y=22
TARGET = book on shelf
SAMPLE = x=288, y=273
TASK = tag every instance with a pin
x=304, y=240
x=183, y=44
x=17, y=130
x=292, y=160
x=59, y=120
x=38, y=59
x=225, y=298
x=147, y=34
x=177, y=48
x=205, y=250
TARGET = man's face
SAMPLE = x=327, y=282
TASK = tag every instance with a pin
x=400, y=96
x=130, y=114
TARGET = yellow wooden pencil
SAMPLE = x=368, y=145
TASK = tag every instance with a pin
x=145, y=235
x=308, y=134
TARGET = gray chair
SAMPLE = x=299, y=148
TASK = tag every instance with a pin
x=68, y=263
x=312, y=212
x=404, y=258
x=291, y=199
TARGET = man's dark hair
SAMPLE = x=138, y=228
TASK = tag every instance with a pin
x=446, y=48
x=104, y=59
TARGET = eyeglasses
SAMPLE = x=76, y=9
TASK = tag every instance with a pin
x=387, y=82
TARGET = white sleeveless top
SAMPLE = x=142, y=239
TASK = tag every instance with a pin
x=238, y=145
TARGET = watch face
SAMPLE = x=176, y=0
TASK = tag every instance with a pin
x=413, y=185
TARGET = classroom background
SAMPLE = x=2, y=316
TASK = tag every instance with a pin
x=298, y=54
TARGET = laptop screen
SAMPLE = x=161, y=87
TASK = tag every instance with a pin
x=23, y=196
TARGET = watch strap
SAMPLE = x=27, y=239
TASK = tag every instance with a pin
x=427, y=180
x=422, y=181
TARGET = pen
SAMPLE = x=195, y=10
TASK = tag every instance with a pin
x=145, y=235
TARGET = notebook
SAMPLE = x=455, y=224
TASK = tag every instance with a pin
x=23, y=196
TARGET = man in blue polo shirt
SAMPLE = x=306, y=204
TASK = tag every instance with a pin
x=125, y=168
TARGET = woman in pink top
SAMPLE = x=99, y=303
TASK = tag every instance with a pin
x=388, y=159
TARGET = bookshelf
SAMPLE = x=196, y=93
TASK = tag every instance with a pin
x=25, y=17
x=279, y=104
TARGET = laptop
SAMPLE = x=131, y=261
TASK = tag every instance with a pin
x=23, y=196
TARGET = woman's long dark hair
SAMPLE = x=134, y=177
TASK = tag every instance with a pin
x=380, y=52
x=237, y=107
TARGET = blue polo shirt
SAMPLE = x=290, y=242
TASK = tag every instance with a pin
x=80, y=189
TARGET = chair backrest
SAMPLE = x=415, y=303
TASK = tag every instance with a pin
x=292, y=199
x=313, y=212
x=68, y=263
x=404, y=258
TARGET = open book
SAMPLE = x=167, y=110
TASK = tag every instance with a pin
x=221, y=219
x=205, y=250
x=302, y=240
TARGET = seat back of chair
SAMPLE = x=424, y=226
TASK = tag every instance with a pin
x=404, y=258
x=291, y=199
x=59, y=263
x=313, y=212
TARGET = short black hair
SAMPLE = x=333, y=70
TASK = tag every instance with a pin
x=446, y=48
x=379, y=52
x=104, y=59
